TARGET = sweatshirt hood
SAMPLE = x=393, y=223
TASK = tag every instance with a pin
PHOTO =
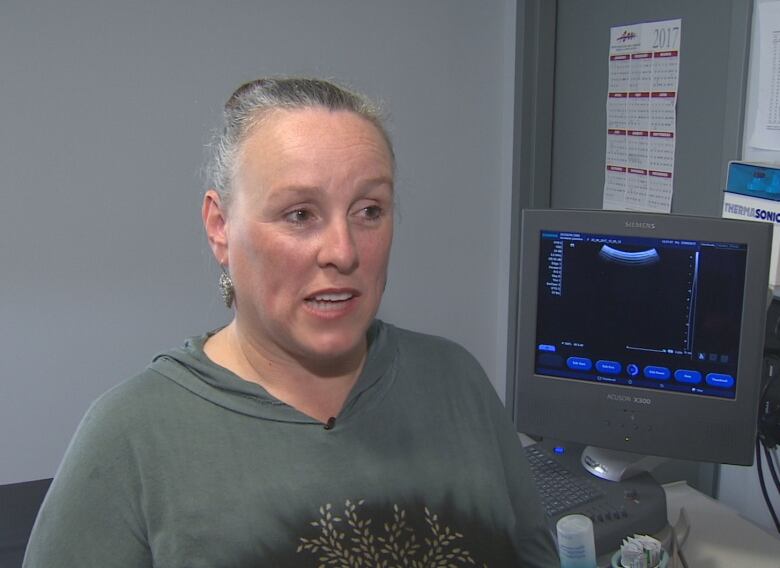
x=189, y=367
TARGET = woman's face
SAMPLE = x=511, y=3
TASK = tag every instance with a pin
x=308, y=232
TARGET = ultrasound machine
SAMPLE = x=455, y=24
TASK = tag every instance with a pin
x=639, y=338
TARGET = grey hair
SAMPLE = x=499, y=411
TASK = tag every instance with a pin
x=252, y=102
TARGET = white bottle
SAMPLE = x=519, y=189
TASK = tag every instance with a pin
x=576, y=546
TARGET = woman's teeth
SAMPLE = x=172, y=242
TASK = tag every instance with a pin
x=332, y=297
x=326, y=302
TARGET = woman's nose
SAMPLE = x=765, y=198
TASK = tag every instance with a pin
x=338, y=247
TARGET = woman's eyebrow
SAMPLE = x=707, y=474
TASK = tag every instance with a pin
x=372, y=183
x=302, y=192
x=286, y=192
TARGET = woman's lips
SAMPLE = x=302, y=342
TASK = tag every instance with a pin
x=331, y=302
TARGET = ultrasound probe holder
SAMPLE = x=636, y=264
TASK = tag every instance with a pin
x=753, y=193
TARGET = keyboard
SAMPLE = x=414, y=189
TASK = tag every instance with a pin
x=617, y=509
x=559, y=488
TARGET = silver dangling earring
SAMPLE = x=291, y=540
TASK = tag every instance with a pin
x=226, y=289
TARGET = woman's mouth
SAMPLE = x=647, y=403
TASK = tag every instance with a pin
x=329, y=301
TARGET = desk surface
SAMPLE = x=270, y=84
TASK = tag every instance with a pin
x=719, y=536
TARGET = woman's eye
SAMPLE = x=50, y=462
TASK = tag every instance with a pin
x=372, y=212
x=298, y=216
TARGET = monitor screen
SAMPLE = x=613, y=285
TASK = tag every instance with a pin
x=642, y=332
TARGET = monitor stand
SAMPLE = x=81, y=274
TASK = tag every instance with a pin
x=614, y=465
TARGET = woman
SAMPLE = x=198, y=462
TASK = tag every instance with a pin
x=305, y=432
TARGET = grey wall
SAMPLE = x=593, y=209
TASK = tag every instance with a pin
x=105, y=107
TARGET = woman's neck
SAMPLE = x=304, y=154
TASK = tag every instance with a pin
x=318, y=390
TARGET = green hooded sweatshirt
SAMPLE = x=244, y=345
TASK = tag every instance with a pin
x=188, y=465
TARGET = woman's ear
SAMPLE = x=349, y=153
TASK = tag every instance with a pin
x=214, y=216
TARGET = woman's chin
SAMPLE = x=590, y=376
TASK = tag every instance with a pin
x=335, y=348
x=337, y=351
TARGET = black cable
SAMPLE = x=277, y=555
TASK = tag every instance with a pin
x=775, y=457
x=772, y=469
x=760, y=469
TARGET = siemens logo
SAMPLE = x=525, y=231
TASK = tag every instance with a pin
x=752, y=212
x=639, y=225
x=628, y=398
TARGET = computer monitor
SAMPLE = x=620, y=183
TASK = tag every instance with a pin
x=642, y=332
